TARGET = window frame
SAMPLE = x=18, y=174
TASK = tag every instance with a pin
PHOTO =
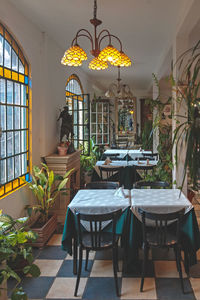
x=18, y=76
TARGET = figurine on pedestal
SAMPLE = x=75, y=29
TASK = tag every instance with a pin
x=66, y=128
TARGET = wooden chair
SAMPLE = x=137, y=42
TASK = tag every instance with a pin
x=102, y=185
x=110, y=172
x=153, y=184
x=112, y=156
x=96, y=239
x=160, y=236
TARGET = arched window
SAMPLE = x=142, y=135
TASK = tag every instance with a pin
x=14, y=114
x=78, y=104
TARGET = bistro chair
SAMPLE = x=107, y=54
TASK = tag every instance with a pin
x=97, y=240
x=102, y=185
x=112, y=156
x=160, y=236
x=151, y=184
x=110, y=173
x=151, y=156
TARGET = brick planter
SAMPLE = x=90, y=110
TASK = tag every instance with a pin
x=45, y=232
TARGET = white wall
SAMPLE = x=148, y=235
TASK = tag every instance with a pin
x=48, y=91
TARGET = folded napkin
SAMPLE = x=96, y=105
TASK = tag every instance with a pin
x=120, y=193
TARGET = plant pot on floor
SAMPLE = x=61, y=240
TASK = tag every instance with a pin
x=44, y=232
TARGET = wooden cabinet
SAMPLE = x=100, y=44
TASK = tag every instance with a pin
x=60, y=165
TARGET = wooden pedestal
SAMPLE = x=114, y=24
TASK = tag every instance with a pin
x=60, y=165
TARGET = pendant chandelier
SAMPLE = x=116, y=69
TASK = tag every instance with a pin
x=119, y=91
x=75, y=55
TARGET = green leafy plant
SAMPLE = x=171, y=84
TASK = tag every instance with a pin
x=187, y=133
x=14, y=245
x=46, y=186
x=147, y=138
x=163, y=170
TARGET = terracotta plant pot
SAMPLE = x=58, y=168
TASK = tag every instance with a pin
x=45, y=232
x=190, y=195
x=62, y=150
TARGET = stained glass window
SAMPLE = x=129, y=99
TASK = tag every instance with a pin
x=14, y=115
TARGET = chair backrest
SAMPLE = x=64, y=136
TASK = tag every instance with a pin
x=112, y=156
x=161, y=225
x=102, y=185
x=109, y=172
x=151, y=184
x=96, y=230
x=152, y=155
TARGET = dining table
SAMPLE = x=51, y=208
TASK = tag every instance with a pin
x=133, y=154
x=128, y=174
x=129, y=225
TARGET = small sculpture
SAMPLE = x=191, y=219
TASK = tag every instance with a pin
x=67, y=124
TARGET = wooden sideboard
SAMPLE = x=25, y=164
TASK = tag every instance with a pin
x=60, y=165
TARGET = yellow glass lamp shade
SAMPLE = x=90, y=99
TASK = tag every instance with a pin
x=97, y=64
x=71, y=62
x=124, y=61
x=110, y=54
x=75, y=53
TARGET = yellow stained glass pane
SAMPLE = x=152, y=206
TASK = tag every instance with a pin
x=27, y=89
x=1, y=191
x=21, y=78
x=15, y=47
x=1, y=71
x=21, y=180
x=8, y=187
x=1, y=29
x=26, y=69
x=15, y=183
x=14, y=75
x=7, y=73
x=8, y=37
x=21, y=56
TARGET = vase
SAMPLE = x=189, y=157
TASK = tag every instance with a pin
x=62, y=150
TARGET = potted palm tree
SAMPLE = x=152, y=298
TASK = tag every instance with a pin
x=188, y=132
x=46, y=186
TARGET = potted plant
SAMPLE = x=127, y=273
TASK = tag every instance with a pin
x=14, y=246
x=46, y=186
x=62, y=148
x=187, y=133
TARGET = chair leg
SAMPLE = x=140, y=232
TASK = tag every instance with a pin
x=145, y=258
x=86, y=262
x=79, y=270
x=115, y=266
x=180, y=268
x=75, y=257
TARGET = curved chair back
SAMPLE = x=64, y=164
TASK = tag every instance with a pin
x=153, y=184
x=102, y=185
x=109, y=173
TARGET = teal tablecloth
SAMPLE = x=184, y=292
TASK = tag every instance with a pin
x=131, y=230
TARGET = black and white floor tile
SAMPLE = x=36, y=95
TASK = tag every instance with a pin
x=58, y=282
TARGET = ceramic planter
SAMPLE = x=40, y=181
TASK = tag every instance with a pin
x=45, y=232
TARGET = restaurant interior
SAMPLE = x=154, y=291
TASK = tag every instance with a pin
x=100, y=149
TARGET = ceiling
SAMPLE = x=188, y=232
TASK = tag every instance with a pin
x=145, y=27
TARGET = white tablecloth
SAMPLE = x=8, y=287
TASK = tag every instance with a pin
x=104, y=201
x=123, y=152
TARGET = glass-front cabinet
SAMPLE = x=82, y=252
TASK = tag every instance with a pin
x=100, y=120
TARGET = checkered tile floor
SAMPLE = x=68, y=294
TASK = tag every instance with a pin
x=58, y=282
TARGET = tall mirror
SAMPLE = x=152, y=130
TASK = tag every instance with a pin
x=126, y=122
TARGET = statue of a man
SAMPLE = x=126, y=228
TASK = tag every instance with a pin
x=67, y=124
